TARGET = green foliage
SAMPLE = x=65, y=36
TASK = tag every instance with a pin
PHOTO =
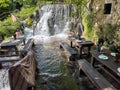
x=79, y=3
x=63, y=68
x=5, y=6
x=26, y=12
x=8, y=27
x=29, y=22
x=27, y=2
x=66, y=83
x=3, y=30
x=88, y=32
x=4, y=3
x=108, y=33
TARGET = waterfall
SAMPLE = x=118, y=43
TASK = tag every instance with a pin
x=54, y=23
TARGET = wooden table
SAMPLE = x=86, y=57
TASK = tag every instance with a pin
x=9, y=45
x=109, y=65
x=81, y=44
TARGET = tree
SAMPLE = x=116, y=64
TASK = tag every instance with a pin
x=27, y=2
x=4, y=3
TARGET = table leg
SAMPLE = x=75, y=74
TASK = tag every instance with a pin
x=71, y=44
x=92, y=61
x=80, y=51
x=16, y=51
x=88, y=53
x=0, y=65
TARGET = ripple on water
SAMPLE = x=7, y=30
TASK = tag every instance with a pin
x=48, y=58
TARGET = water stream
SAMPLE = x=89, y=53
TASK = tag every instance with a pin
x=51, y=29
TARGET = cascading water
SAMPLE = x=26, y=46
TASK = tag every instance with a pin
x=52, y=28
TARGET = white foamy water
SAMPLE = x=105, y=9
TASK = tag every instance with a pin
x=5, y=88
x=49, y=39
x=52, y=28
x=4, y=82
x=43, y=24
x=53, y=24
x=28, y=33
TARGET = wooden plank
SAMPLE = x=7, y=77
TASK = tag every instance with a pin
x=95, y=77
x=70, y=52
x=110, y=63
x=68, y=48
x=7, y=52
x=3, y=50
x=9, y=59
x=10, y=43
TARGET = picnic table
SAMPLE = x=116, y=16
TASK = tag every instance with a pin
x=81, y=44
x=8, y=46
x=106, y=62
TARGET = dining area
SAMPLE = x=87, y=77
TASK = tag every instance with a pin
x=82, y=45
x=107, y=62
x=102, y=59
x=10, y=50
x=11, y=47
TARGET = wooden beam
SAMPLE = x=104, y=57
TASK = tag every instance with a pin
x=9, y=59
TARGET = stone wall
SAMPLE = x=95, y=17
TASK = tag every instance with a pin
x=107, y=26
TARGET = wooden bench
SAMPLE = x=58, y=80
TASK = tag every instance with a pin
x=8, y=59
x=94, y=76
x=70, y=52
x=3, y=51
x=8, y=52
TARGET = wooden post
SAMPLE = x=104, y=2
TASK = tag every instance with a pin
x=0, y=65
